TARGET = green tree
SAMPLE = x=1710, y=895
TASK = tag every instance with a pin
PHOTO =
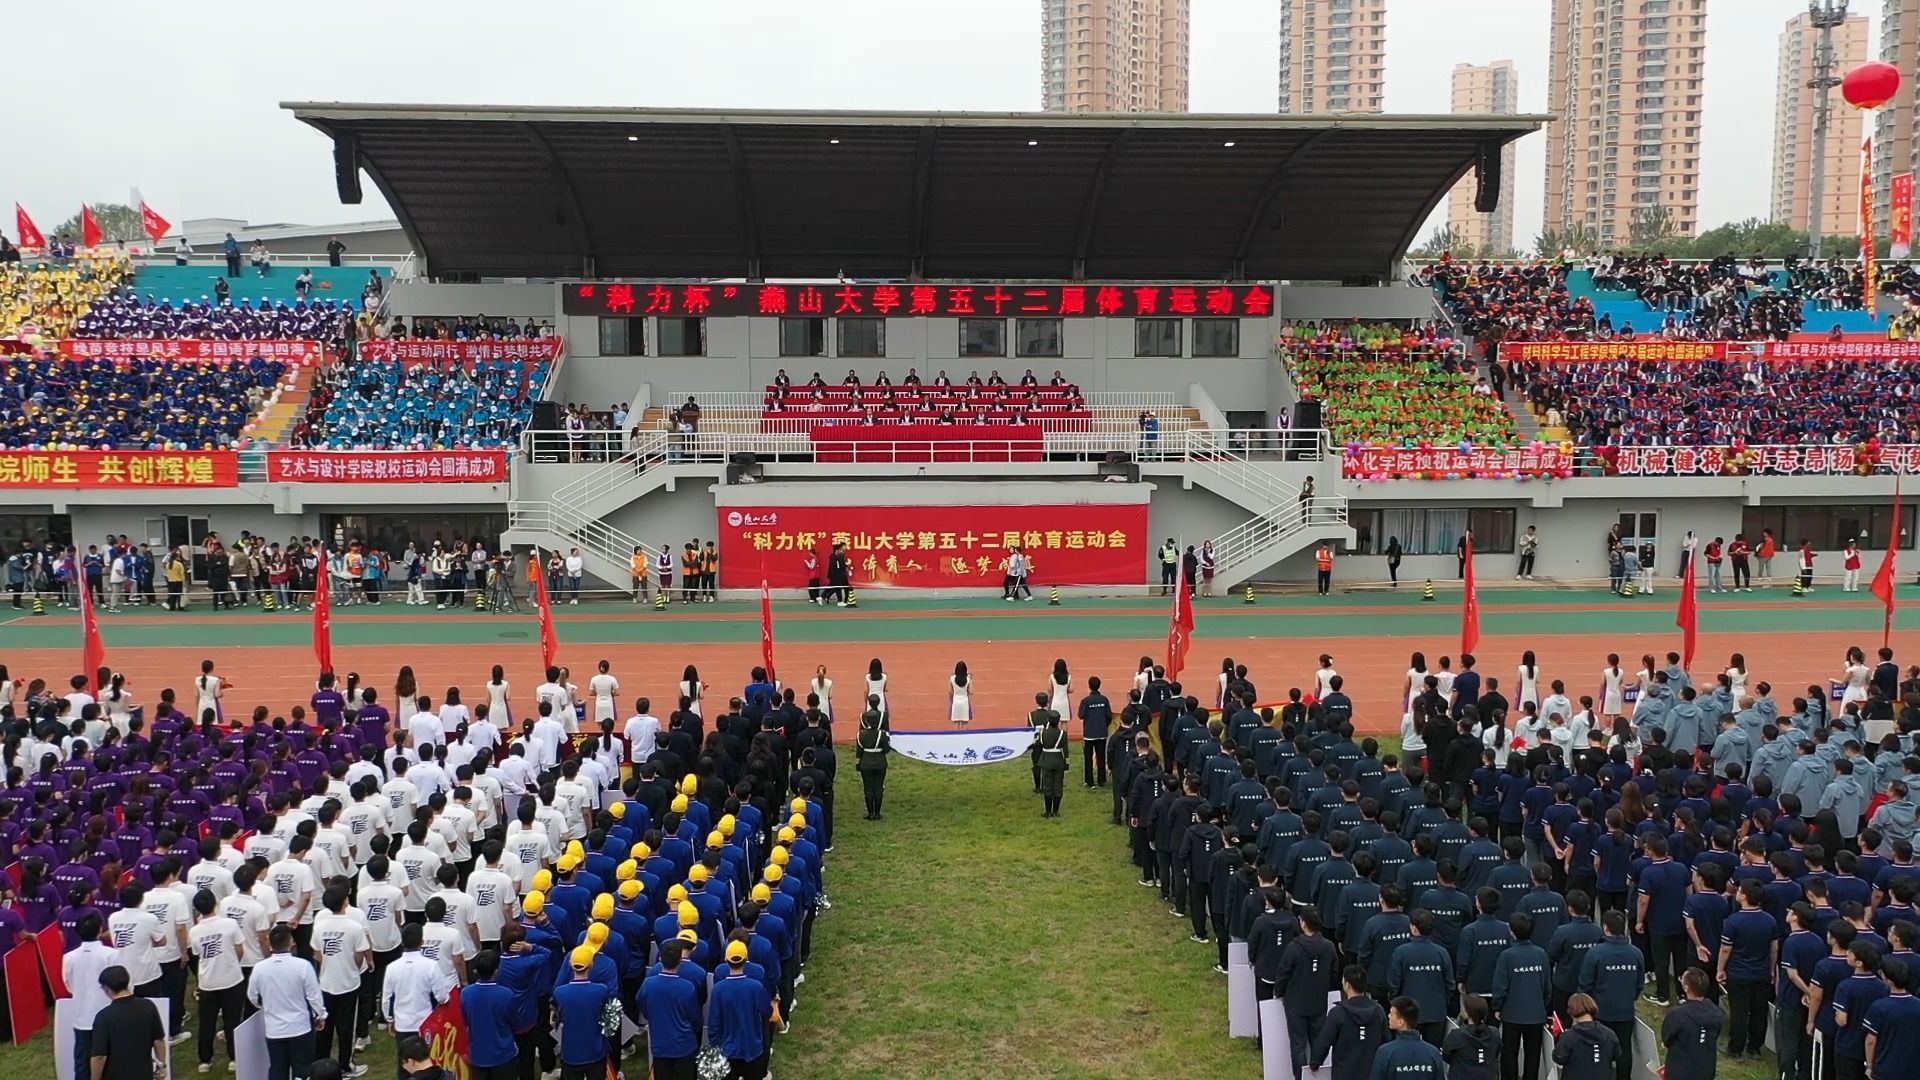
x=1447, y=241
x=1581, y=239
x=1745, y=239
x=120, y=223
x=1652, y=229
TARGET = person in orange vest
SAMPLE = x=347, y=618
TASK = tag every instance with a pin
x=1763, y=555
x=1323, y=562
x=639, y=566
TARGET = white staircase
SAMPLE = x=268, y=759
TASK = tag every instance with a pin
x=574, y=516
x=1282, y=523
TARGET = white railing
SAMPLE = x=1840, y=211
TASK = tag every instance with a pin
x=1246, y=540
x=164, y=257
x=757, y=399
x=645, y=451
x=745, y=423
x=578, y=529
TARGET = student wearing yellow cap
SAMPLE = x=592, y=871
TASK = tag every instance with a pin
x=741, y=1010
x=672, y=1008
x=578, y=1003
x=630, y=921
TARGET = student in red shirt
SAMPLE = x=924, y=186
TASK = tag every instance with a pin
x=1716, y=552
x=1738, y=551
x=1851, y=564
x=1769, y=547
x=1806, y=565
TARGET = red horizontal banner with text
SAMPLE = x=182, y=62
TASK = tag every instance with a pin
x=118, y=468
x=1453, y=463
x=1641, y=349
x=935, y=546
x=844, y=300
x=189, y=349
x=387, y=466
x=465, y=351
x=1786, y=460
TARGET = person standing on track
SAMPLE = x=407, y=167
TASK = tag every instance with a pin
x=1323, y=566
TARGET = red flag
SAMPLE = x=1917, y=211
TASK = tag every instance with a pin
x=1470, y=611
x=1179, y=625
x=1885, y=585
x=1688, y=619
x=93, y=650
x=549, y=640
x=766, y=630
x=30, y=235
x=151, y=221
x=323, y=616
x=90, y=234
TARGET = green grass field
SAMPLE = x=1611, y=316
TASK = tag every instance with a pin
x=970, y=937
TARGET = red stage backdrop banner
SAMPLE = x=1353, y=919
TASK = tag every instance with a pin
x=464, y=351
x=189, y=349
x=935, y=546
x=983, y=299
x=118, y=468
x=387, y=466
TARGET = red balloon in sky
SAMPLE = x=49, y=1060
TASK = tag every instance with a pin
x=1870, y=85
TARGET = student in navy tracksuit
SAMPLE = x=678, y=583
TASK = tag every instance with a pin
x=1354, y=1031
x=1589, y=1050
x=1423, y=973
x=1522, y=985
x=1610, y=980
x=1407, y=1056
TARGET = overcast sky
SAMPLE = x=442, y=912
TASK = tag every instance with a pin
x=187, y=109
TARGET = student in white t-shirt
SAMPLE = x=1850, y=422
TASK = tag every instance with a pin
x=401, y=797
x=643, y=732
x=549, y=732
x=424, y=728
x=528, y=847
x=382, y=904
x=345, y=949
x=418, y=865
x=209, y=874
x=216, y=944
x=494, y=892
x=136, y=935
x=252, y=917
x=443, y=944
x=452, y=714
x=363, y=819
x=294, y=884
x=462, y=915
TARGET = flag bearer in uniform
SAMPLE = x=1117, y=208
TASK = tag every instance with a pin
x=1051, y=762
x=871, y=748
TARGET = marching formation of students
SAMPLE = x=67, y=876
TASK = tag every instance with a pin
x=348, y=864
x=1531, y=867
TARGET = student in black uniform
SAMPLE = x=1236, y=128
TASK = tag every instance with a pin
x=1096, y=713
x=1307, y=974
x=1522, y=984
x=871, y=748
x=1149, y=784
x=1612, y=974
x=1691, y=1031
x=1568, y=948
x=1589, y=1050
x=1195, y=858
x=1273, y=929
x=1422, y=972
x=1050, y=757
x=1472, y=1050
x=1407, y=1056
x=1354, y=1031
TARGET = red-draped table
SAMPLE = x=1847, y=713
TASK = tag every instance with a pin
x=928, y=442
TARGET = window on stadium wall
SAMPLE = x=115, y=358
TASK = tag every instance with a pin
x=1037, y=337
x=683, y=336
x=1829, y=527
x=803, y=337
x=983, y=337
x=623, y=337
x=861, y=337
x=392, y=532
x=1434, y=532
x=1156, y=337
x=1216, y=337
x=34, y=530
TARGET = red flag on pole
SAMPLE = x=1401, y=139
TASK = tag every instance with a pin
x=150, y=220
x=1180, y=624
x=1885, y=583
x=93, y=650
x=549, y=639
x=90, y=233
x=30, y=236
x=1688, y=619
x=1470, y=610
x=323, y=616
x=766, y=630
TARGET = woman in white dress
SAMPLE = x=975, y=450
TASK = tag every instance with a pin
x=1324, y=676
x=822, y=687
x=1737, y=676
x=605, y=689
x=116, y=700
x=1613, y=697
x=960, y=695
x=1444, y=679
x=1060, y=699
x=1143, y=675
x=692, y=689
x=452, y=713
x=1857, y=675
x=497, y=693
x=1529, y=678
x=877, y=687
x=574, y=701
x=406, y=695
x=6, y=686
x=208, y=687
x=1220, y=685
x=1416, y=682
x=1496, y=738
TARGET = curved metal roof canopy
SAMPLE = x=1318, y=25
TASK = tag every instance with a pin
x=565, y=192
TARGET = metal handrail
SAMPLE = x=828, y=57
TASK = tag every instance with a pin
x=1238, y=543
x=645, y=450
x=1099, y=399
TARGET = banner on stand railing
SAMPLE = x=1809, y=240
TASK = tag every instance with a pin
x=1363, y=462
x=464, y=351
x=387, y=466
x=297, y=351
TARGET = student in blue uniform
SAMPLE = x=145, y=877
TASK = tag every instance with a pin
x=1747, y=959
x=1893, y=1026
x=1610, y=980
x=742, y=1010
x=1354, y=1030
x=1421, y=971
x=1589, y=1050
x=1852, y=1000
x=672, y=1007
x=1407, y=1056
x=577, y=1007
x=1522, y=986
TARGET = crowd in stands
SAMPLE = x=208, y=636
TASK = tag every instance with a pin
x=1384, y=384
x=53, y=402
x=1493, y=302
x=127, y=314
x=54, y=295
x=939, y=400
x=354, y=859
x=1718, y=402
x=394, y=405
x=460, y=328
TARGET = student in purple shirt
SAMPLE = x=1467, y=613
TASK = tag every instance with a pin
x=79, y=905
x=13, y=926
x=37, y=899
x=373, y=718
x=329, y=704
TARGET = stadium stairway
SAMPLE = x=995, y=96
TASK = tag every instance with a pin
x=276, y=423
x=195, y=281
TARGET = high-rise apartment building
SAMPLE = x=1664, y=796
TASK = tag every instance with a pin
x=1333, y=56
x=1480, y=90
x=1624, y=81
x=1794, y=107
x=1894, y=137
x=1114, y=55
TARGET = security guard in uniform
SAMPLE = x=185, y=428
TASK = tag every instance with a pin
x=1038, y=719
x=1050, y=751
x=871, y=747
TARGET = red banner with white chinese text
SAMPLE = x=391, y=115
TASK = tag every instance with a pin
x=1789, y=460
x=118, y=468
x=464, y=351
x=1900, y=216
x=387, y=466
x=1843, y=350
x=445, y=1032
x=295, y=351
x=883, y=300
x=1637, y=349
x=1452, y=463
x=935, y=546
